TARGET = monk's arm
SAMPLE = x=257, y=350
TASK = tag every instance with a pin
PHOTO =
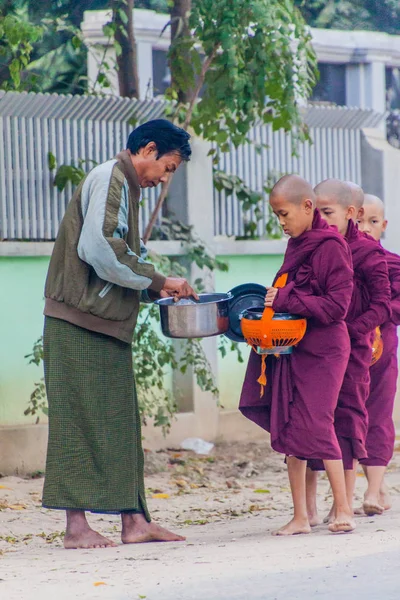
x=331, y=265
x=375, y=273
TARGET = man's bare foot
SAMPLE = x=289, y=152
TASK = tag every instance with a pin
x=79, y=534
x=384, y=497
x=87, y=539
x=294, y=527
x=372, y=507
x=136, y=530
x=342, y=523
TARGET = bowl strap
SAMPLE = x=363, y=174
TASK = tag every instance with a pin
x=266, y=317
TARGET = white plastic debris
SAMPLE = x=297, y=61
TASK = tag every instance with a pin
x=197, y=445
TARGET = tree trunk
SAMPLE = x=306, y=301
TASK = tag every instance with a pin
x=180, y=12
x=128, y=77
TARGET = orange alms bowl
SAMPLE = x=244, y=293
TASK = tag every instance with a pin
x=377, y=346
x=272, y=333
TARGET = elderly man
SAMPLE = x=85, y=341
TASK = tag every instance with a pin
x=96, y=279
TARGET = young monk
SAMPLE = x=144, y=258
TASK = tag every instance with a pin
x=339, y=205
x=298, y=402
x=381, y=432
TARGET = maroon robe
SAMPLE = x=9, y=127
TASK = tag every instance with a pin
x=369, y=308
x=300, y=397
x=381, y=431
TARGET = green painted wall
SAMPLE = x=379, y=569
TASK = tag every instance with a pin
x=242, y=269
x=21, y=308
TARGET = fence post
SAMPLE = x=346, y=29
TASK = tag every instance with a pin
x=381, y=176
x=191, y=201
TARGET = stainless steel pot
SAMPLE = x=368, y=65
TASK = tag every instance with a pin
x=208, y=317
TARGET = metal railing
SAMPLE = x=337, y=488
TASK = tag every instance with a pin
x=96, y=129
x=335, y=151
x=71, y=128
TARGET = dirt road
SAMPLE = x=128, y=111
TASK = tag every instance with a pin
x=226, y=504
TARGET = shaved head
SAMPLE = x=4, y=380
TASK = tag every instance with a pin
x=372, y=220
x=292, y=200
x=357, y=194
x=294, y=189
x=336, y=190
x=371, y=200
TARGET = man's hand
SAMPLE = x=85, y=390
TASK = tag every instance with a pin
x=270, y=297
x=177, y=287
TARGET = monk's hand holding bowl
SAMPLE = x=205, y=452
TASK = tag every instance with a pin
x=177, y=288
x=270, y=297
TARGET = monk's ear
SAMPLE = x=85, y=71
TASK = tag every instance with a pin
x=384, y=225
x=308, y=205
x=360, y=213
x=351, y=213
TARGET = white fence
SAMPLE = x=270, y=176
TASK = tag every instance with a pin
x=335, y=151
x=95, y=129
x=71, y=128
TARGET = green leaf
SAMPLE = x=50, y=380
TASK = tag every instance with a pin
x=76, y=42
x=51, y=161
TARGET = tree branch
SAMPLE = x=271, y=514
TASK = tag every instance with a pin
x=164, y=191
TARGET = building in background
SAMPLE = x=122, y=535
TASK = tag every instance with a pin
x=357, y=68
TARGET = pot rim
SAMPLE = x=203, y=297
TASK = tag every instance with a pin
x=170, y=303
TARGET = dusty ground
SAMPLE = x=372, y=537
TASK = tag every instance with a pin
x=226, y=504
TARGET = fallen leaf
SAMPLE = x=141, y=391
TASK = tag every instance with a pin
x=4, y=487
x=162, y=496
x=17, y=506
x=182, y=483
x=260, y=491
x=97, y=583
x=257, y=508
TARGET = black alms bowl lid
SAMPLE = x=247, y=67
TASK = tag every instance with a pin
x=245, y=296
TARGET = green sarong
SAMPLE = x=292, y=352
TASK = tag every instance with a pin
x=94, y=455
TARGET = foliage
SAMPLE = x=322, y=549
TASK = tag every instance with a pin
x=57, y=61
x=382, y=15
x=253, y=203
x=195, y=250
x=38, y=400
x=17, y=37
x=255, y=60
x=68, y=173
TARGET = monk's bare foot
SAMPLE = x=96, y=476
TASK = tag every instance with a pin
x=314, y=520
x=87, y=539
x=136, y=530
x=359, y=511
x=384, y=497
x=372, y=507
x=294, y=527
x=330, y=517
x=342, y=523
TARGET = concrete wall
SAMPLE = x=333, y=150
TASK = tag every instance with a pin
x=22, y=444
x=21, y=307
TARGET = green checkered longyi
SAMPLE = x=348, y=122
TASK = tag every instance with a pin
x=94, y=456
